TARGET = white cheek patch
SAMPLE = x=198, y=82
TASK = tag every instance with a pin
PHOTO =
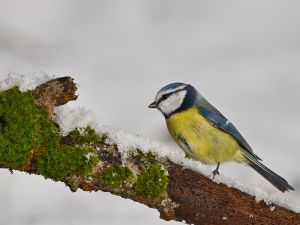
x=172, y=103
x=160, y=94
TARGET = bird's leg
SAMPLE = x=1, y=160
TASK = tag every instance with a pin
x=216, y=171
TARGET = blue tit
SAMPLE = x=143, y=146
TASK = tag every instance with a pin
x=205, y=134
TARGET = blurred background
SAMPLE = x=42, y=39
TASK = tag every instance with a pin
x=244, y=56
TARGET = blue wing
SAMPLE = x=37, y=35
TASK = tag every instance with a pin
x=215, y=118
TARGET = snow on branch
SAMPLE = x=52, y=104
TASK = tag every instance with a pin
x=66, y=145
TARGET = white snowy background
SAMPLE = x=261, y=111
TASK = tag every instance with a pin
x=243, y=56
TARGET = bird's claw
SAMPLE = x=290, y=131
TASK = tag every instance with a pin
x=215, y=172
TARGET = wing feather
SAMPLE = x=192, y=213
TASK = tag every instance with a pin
x=214, y=117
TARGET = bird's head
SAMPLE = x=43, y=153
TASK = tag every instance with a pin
x=175, y=97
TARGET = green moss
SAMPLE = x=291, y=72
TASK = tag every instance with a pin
x=66, y=161
x=88, y=135
x=134, y=152
x=23, y=127
x=26, y=132
x=152, y=182
x=115, y=177
x=149, y=159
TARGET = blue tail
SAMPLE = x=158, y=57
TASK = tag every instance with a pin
x=279, y=182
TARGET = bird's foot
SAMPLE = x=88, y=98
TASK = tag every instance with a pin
x=216, y=171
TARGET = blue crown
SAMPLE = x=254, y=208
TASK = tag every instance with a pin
x=171, y=86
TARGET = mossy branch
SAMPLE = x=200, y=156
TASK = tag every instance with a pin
x=31, y=142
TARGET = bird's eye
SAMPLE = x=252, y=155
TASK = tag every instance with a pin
x=164, y=97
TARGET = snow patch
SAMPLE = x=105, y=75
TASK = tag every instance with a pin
x=25, y=82
x=70, y=118
x=89, y=155
x=272, y=208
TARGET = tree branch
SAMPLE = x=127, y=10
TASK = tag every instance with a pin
x=83, y=159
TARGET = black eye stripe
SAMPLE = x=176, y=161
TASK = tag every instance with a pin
x=165, y=96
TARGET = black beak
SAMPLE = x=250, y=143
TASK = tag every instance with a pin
x=152, y=105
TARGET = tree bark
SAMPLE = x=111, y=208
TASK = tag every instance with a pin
x=189, y=196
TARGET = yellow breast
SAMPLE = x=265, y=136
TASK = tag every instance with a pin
x=200, y=140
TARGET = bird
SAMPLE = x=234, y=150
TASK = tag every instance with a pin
x=204, y=134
